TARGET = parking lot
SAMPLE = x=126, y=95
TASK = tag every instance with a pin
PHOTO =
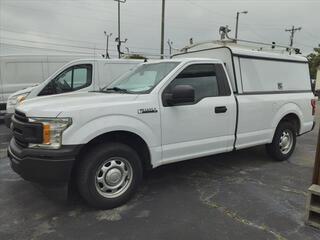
x=239, y=195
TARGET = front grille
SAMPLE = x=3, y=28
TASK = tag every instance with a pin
x=20, y=116
x=21, y=143
x=25, y=132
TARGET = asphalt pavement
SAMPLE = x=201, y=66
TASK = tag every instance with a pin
x=238, y=195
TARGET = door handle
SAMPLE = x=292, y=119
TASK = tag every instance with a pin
x=220, y=109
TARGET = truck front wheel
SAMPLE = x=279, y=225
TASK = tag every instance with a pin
x=108, y=175
x=283, y=143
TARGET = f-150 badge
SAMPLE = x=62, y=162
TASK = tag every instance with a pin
x=147, y=110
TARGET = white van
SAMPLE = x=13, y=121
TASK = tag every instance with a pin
x=78, y=75
x=163, y=112
x=22, y=71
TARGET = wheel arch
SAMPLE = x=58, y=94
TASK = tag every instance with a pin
x=122, y=136
x=289, y=113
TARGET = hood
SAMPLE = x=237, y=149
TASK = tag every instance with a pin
x=52, y=106
x=23, y=91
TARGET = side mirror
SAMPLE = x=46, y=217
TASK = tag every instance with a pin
x=181, y=94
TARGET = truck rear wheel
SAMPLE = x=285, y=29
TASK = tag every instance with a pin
x=109, y=175
x=284, y=142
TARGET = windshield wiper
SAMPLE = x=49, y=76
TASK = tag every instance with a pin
x=117, y=89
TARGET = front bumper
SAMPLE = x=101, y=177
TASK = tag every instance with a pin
x=44, y=166
x=7, y=119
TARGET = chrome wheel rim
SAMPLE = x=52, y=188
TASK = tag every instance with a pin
x=113, y=177
x=286, y=141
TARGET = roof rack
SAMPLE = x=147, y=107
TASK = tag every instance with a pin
x=229, y=40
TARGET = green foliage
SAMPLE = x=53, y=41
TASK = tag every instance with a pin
x=314, y=62
x=134, y=56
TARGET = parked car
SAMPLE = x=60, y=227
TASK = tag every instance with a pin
x=23, y=71
x=78, y=75
x=160, y=113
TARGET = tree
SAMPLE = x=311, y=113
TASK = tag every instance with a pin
x=314, y=62
x=135, y=56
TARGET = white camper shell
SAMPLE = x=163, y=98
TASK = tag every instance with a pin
x=253, y=71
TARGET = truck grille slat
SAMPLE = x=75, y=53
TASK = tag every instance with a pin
x=20, y=116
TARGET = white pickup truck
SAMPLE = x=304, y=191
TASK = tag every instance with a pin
x=159, y=113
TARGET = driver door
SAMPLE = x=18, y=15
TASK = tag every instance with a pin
x=205, y=126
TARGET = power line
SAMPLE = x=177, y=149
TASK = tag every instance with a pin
x=52, y=49
x=67, y=45
x=62, y=50
x=45, y=36
x=49, y=43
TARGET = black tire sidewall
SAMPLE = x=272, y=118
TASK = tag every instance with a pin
x=274, y=149
x=89, y=166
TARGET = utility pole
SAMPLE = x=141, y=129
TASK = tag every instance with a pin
x=162, y=29
x=118, y=39
x=237, y=23
x=107, y=44
x=292, y=32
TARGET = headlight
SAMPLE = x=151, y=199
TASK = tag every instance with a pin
x=52, y=131
x=16, y=99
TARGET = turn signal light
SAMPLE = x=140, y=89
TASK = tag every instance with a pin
x=46, y=134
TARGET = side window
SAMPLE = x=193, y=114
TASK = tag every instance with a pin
x=63, y=83
x=72, y=79
x=208, y=80
x=82, y=77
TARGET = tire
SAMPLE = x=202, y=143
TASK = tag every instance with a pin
x=109, y=175
x=287, y=133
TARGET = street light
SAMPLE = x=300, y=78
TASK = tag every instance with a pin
x=237, y=23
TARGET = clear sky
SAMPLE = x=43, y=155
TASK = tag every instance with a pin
x=45, y=26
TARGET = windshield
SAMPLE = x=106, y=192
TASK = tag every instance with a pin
x=142, y=79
